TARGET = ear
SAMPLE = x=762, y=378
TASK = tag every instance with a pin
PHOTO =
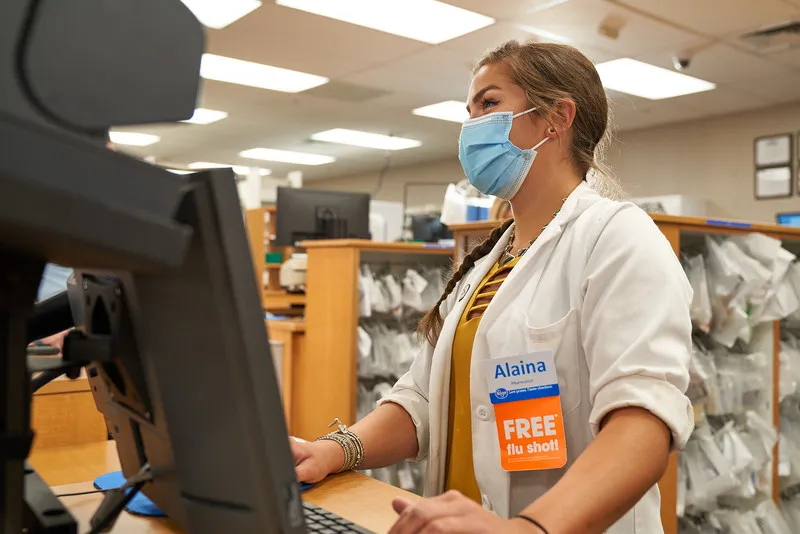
x=562, y=117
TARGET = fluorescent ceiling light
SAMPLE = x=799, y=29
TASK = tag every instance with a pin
x=286, y=156
x=206, y=116
x=227, y=69
x=428, y=21
x=178, y=171
x=219, y=13
x=648, y=81
x=365, y=139
x=133, y=138
x=449, y=110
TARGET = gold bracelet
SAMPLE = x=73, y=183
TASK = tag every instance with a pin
x=349, y=442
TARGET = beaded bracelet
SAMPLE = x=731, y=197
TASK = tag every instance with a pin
x=349, y=442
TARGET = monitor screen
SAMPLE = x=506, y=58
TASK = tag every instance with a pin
x=788, y=219
x=314, y=214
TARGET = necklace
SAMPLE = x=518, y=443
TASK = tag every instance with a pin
x=508, y=256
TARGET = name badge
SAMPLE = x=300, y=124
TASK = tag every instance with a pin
x=527, y=408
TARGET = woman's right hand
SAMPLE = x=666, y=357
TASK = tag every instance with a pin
x=313, y=461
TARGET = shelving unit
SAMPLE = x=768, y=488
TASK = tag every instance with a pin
x=328, y=372
x=683, y=231
x=260, y=223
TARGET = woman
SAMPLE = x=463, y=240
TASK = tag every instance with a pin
x=577, y=281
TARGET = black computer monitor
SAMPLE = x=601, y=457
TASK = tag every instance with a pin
x=190, y=388
x=313, y=214
x=429, y=228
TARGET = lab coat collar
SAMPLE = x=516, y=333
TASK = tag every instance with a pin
x=576, y=203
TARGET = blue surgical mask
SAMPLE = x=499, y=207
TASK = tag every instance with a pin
x=492, y=163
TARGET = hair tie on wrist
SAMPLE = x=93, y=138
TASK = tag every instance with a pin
x=533, y=522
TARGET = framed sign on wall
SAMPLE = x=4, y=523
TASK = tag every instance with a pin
x=773, y=158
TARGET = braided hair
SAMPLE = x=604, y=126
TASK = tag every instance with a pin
x=430, y=326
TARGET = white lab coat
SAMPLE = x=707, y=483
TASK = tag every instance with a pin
x=602, y=289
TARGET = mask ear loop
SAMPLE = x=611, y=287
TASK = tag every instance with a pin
x=521, y=113
x=540, y=143
x=543, y=141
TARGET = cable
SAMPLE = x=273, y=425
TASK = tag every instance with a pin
x=79, y=493
x=386, y=164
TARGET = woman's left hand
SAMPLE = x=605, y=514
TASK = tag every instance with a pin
x=452, y=513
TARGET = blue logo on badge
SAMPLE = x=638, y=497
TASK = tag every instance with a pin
x=501, y=393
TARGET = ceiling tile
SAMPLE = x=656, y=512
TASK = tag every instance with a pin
x=475, y=44
x=718, y=63
x=293, y=39
x=777, y=89
x=658, y=112
x=437, y=72
x=577, y=21
x=499, y=9
x=724, y=99
x=717, y=17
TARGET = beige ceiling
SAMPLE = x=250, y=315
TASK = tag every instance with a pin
x=395, y=75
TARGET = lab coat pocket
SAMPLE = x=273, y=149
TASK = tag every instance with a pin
x=560, y=338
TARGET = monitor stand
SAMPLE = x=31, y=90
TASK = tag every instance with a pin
x=26, y=502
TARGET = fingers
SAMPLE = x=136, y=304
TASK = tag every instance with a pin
x=447, y=525
x=400, y=505
x=415, y=517
x=305, y=472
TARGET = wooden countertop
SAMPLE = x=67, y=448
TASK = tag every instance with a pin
x=687, y=223
x=355, y=497
x=62, y=384
x=287, y=325
x=365, y=244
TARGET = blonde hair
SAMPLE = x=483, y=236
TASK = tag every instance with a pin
x=548, y=73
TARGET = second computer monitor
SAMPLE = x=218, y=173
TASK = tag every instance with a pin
x=305, y=214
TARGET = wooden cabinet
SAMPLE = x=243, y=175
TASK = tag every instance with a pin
x=326, y=377
x=260, y=223
x=64, y=414
x=291, y=333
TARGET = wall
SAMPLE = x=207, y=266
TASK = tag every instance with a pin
x=709, y=158
x=439, y=173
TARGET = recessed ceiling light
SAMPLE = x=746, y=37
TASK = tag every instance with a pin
x=228, y=69
x=449, y=110
x=133, y=138
x=365, y=139
x=648, y=81
x=206, y=116
x=286, y=156
x=219, y=13
x=428, y=21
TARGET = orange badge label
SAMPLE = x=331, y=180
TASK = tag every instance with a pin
x=527, y=407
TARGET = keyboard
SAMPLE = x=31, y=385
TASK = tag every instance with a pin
x=319, y=521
